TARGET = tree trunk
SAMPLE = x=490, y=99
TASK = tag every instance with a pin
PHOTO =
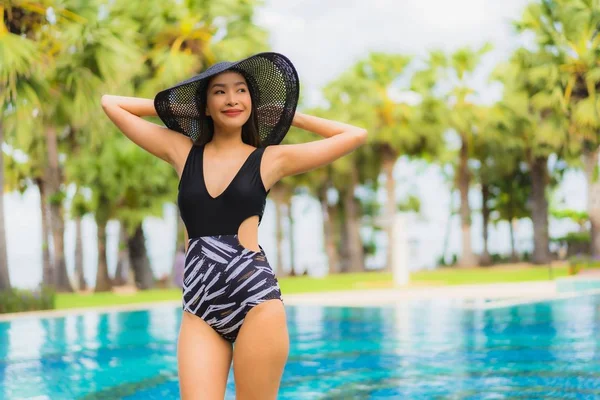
x=539, y=212
x=389, y=160
x=352, y=226
x=47, y=268
x=79, y=275
x=277, y=196
x=180, y=241
x=467, y=258
x=176, y=276
x=103, y=283
x=590, y=162
x=62, y=281
x=138, y=257
x=123, y=273
x=125, y=257
x=290, y=217
x=513, y=250
x=448, y=227
x=4, y=273
x=486, y=259
x=344, y=243
x=329, y=218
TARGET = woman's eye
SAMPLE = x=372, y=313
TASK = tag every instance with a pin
x=243, y=90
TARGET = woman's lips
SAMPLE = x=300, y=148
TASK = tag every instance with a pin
x=232, y=113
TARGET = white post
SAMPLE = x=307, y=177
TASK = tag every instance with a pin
x=399, y=248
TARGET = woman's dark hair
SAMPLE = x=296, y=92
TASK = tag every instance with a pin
x=250, y=133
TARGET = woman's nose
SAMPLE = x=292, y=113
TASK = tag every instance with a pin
x=231, y=99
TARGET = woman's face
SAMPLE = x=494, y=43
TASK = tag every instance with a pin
x=228, y=101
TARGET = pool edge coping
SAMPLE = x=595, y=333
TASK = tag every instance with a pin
x=82, y=310
x=504, y=293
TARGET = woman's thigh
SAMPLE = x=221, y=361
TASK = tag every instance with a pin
x=261, y=351
x=203, y=359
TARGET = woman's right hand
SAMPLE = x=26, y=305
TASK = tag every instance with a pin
x=126, y=113
x=135, y=105
x=325, y=127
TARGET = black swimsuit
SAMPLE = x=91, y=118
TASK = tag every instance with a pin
x=223, y=280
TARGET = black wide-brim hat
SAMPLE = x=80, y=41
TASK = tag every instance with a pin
x=273, y=83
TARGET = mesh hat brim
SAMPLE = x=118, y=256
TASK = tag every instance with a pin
x=275, y=89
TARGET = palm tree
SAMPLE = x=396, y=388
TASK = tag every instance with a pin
x=79, y=208
x=534, y=122
x=21, y=175
x=29, y=22
x=508, y=200
x=485, y=151
x=400, y=127
x=4, y=275
x=319, y=183
x=503, y=174
x=279, y=195
x=500, y=173
x=19, y=86
x=567, y=35
x=391, y=131
x=360, y=95
x=464, y=118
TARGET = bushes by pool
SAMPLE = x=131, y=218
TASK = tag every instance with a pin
x=17, y=300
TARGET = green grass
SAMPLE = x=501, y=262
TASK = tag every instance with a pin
x=455, y=276
x=364, y=280
x=75, y=300
x=303, y=284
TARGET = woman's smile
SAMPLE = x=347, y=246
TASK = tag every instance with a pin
x=232, y=113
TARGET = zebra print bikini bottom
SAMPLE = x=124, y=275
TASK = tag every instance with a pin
x=223, y=280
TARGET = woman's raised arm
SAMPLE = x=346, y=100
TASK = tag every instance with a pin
x=340, y=139
x=127, y=112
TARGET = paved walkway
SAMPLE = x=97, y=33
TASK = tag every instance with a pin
x=524, y=290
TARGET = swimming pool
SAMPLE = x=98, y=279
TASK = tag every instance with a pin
x=421, y=349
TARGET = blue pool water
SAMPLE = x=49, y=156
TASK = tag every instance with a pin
x=421, y=350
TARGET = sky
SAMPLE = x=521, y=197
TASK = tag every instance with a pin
x=323, y=38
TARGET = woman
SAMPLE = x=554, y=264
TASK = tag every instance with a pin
x=222, y=137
